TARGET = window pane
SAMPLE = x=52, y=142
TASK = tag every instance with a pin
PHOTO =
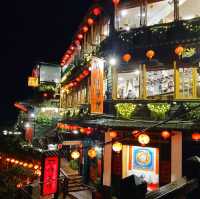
x=160, y=82
x=160, y=12
x=189, y=9
x=128, y=85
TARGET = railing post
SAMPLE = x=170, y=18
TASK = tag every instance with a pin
x=65, y=188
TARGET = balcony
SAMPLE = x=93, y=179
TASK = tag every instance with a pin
x=169, y=35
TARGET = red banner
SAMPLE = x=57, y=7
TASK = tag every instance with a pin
x=29, y=134
x=97, y=85
x=50, y=177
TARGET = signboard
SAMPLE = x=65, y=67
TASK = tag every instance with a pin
x=50, y=175
x=144, y=162
x=33, y=82
x=21, y=107
x=97, y=85
x=50, y=74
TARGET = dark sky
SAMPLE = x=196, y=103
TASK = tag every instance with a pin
x=32, y=30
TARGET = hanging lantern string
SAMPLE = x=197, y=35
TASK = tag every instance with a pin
x=145, y=129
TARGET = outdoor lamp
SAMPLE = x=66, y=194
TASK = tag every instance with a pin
x=112, y=61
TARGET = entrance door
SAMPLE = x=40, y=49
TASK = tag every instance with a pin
x=68, y=164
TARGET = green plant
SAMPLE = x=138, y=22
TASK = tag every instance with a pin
x=73, y=164
x=194, y=114
x=125, y=110
x=158, y=110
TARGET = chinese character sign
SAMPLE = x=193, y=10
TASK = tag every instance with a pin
x=50, y=176
x=97, y=85
x=33, y=82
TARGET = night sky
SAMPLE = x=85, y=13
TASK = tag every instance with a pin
x=31, y=31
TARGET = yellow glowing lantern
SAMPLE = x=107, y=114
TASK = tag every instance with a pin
x=16, y=161
x=143, y=139
x=12, y=160
x=117, y=147
x=30, y=165
x=21, y=163
x=75, y=155
x=8, y=159
x=92, y=153
x=19, y=185
x=25, y=164
x=36, y=167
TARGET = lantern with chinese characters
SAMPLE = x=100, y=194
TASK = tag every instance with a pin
x=126, y=57
x=143, y=139
x=196, y=136
x=92, y=153
x=116, y=2
x=165, y=134
x=75, y=155
x=96, y=11
x=179, y=50
x=113, y=134
x=117, y=147
x=90, y=21
x=150, y=54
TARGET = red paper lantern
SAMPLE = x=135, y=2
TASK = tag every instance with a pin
x=77, y=42
x=150, y=54
x=45, y=94
x=78, y=79
x=62, y=63
x=69, y=52
x=126, y=57
x=71, y=47
x=179, y=50
x=88, y=131
x=116, y=2
x=96, y=11
x=82, y=130
x=113, y=134
x=165, y=134
x=196, y=136
x=81, y=76
x=85, y=29
x=135, y=133
x=85, y=72
x=90, y=21
x=80, y=36
x=59, y=146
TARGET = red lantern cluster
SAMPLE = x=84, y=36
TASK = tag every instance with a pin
x=78, y=79
x=84, y=130
x=95, y=12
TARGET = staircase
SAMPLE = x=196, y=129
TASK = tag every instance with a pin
x=74, y=188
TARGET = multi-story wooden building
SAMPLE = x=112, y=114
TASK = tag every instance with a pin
x=131, y=74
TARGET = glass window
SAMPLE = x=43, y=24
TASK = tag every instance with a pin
x=189, y=9
x=160, y=12
x=128, y=18
x=160, y=82
x=128, y=85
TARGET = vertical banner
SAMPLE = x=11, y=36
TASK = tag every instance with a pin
x=50, y=175
x=29, y=134
x=97, y=85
